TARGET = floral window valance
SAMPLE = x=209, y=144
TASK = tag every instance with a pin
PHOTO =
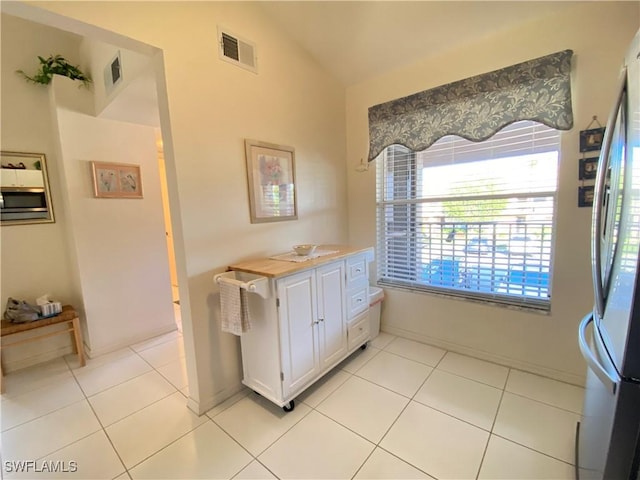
x=477, y=107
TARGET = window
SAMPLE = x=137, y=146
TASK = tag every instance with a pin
x=471, y=219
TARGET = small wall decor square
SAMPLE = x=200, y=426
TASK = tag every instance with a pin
x=116, y=180
x=585, y=196
x=591, y=139
x=587, y=168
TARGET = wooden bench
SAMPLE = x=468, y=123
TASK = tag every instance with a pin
x=68, y=315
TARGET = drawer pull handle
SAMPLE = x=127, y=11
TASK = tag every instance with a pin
x=358, y=270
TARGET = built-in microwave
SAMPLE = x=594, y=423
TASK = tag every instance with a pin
x=23, y=204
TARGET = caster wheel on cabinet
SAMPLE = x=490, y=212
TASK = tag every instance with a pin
x=289, y=407
x=363, y=346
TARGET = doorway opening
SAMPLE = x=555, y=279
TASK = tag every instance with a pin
x=173, y=272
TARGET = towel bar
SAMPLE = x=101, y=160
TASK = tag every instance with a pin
x=259, y=285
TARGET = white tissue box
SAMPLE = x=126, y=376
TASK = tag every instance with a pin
x=51, y=308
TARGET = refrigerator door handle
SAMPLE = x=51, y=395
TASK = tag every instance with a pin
x=605, y=377
x=601, y=177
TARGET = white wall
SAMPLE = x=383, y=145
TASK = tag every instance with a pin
x=70, y=257
x=213, y=107
x=34, y=258
x=142, y=107
x=119, y=245
x=598, y=33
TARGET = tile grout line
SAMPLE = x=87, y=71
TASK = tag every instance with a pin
x=522, y=395
x=106, y=434
x=493, y=424
x=164, y=447
x=533, y=449
x=43, y=415
x=253, y=457
x=100, y=423
x=154, y=369
x=73, y=371
x=412, y=399
x=402, y=411
x=102, y=426
x=127, y=469
x=85, y=399
x=377, y=445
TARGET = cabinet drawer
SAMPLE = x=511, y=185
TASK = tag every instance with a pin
x=358, y=331
x=357, y=273
x=357, y=301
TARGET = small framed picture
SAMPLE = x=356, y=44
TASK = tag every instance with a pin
x=591, y=140
x=587, y=168
x=116, y=180
x=271, y=179
x=585, y=196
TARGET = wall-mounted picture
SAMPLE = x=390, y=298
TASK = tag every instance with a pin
x=116, y=180
x=271, y=179
x=591, y=140
x=585, y=196
x=587, y=168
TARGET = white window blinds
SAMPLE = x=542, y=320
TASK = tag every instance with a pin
x=473, y=219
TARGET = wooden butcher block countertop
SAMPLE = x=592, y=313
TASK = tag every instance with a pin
x=268, y=267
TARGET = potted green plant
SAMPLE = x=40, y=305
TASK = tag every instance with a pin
x=56, y=65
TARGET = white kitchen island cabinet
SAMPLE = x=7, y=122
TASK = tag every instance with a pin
x=315, y=315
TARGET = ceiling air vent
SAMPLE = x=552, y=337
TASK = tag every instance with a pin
x=238, y=51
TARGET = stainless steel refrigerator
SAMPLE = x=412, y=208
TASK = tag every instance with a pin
x=608, y=435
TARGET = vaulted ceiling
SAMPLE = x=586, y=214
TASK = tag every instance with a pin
x=355, y=40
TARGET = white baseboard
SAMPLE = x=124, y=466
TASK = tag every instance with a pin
x=490, y=357
x=203, y=406
x=112, y=347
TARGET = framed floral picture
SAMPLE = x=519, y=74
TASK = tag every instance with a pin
x=271, y=181
x=116, y=180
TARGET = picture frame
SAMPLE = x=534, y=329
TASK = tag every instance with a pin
x=585, y=196
x=116, y=180
x=587, y=168
x=271, y=182
x=591, y=139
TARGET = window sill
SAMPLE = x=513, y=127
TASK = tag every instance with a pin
x=539, y=309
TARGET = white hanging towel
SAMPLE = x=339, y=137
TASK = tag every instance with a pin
x=234, y=306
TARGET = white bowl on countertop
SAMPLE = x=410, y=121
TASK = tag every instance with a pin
x=305, y=249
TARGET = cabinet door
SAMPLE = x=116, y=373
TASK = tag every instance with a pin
x=18, y=177
x=332, y=327
x=298, y=335
x=30, y=178
x=8, y=177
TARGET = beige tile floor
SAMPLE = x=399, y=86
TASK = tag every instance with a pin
x=399, y=409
